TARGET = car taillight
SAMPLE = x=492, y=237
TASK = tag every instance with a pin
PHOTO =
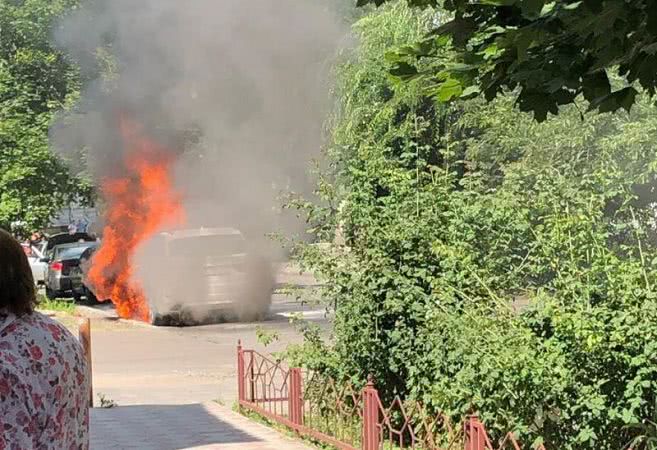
x=57, y=266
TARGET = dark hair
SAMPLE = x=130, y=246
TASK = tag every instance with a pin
x=17, y=290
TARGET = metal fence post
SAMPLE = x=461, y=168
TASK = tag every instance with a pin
x=85, y=340
x=295, y=397
x=475, y=435
x=240, y=372
x=252, y=385
x=371, y=424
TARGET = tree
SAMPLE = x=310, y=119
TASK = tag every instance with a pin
x=36, y=81
x=491, y=263
x=551, y=52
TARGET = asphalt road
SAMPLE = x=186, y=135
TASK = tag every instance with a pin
x=135, y=363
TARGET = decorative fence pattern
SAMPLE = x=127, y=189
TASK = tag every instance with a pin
x=349, y=419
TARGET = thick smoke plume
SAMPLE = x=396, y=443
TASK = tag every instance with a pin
x=236, y=91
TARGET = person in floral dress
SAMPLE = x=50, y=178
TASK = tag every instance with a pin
x=44, y=379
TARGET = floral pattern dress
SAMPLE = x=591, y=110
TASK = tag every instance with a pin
x=44, y=385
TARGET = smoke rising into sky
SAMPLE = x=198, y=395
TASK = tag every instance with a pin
x=236, y=90
x=239, y=86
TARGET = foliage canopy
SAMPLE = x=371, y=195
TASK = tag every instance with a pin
x=552, y=52
x=35, y=82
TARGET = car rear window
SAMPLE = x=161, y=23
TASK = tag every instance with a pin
x=88, y=253
x=72, y=252
x=217, y=245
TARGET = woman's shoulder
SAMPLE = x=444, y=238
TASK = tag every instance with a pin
x=41, y=327
x=39, y=348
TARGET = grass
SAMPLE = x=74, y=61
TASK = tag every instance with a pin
x=65, y=306
x=262, y=420
x=106, y=402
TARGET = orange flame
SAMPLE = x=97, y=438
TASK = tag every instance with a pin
x=139, y=203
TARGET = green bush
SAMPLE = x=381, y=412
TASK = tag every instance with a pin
x=489, y=264
x=573, y=376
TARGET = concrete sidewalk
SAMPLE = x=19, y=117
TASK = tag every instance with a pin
x=178, y=427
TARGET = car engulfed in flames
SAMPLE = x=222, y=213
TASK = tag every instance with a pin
x=181, y=276
x=203, y=275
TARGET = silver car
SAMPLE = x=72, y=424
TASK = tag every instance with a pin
x=38, y=263
x=64, y=277
x=195, y=275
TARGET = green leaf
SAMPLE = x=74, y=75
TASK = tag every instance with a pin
x=623, y=98
x=596, y=85
x=448, y=90
x=531, y=8
x=650, y=49
x=492, y=51
x=571, y=6
x=470, y=91
x=403, y=70
x=460, y=29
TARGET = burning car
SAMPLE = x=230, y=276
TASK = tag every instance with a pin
x=196, y=275
x=204, y=274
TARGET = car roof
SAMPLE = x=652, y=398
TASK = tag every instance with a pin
x=199, y=232
x=71, y=253
x=81, y=244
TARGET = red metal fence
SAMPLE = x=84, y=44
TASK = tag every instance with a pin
x=350, y=419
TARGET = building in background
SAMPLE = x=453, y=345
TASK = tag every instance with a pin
x=74, y=219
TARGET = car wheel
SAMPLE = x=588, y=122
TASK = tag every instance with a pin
x=52, y=295
x=77, y=298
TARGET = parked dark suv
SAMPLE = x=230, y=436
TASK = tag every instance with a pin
x=64, y=276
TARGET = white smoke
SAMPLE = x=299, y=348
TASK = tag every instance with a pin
x=237, y=89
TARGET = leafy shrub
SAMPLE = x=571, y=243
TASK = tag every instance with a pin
x=489, y=263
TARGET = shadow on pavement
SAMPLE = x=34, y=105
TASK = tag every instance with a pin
x=161, y=427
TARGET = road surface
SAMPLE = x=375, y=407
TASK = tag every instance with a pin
x=137, y=364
